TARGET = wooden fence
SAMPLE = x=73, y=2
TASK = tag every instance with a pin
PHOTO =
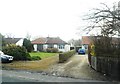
x=107, y=65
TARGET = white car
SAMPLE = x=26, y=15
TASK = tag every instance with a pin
x=5, y=58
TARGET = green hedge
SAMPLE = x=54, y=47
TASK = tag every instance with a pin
x=66, y=55
x=52, y=50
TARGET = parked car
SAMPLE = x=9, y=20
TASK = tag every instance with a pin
x=81, y=51
x=5, y=58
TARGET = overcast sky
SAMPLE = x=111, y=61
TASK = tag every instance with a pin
x=42, y=18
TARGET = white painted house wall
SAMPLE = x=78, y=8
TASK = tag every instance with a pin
x=35, y=47
x=67, y=47
x=45, y=46
x=55, y=46
x=20, y=42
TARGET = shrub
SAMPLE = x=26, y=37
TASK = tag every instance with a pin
x=66, y=55
x=48, y=50
x=18, y=52
x=52, y=50
x=35, y=58
x=106, y=46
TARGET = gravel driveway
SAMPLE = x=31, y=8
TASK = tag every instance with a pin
x=76, y=67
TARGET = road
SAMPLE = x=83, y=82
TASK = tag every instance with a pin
x=25, y=76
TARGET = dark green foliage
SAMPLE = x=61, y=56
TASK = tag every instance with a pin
x=52, y=50
x=66, y=55
x=18, y=52
x=27, y=44
x=35, y=58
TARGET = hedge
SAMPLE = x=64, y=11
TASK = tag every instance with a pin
x=66, y=55
x=52, y=50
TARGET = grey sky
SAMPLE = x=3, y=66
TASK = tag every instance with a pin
x=45, y=17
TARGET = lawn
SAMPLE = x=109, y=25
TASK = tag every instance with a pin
x=48, y=59
x=43, y=54
x=39, y=65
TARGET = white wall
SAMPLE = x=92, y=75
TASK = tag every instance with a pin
x=35, y=47
x=45, y=46
x=55, y=46
x=67, y=47
x=20, y=42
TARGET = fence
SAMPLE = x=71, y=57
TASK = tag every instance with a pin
x=107, y=65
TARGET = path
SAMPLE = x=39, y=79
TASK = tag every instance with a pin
x=76, y=67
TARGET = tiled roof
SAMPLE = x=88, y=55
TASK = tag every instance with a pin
x=48, y=40
x=11, y=40
x=39, y=41
x=86, y=40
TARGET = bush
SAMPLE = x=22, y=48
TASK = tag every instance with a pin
x=106, y=46
x=66, y=55
x=35, y=58
x=18, y=52
x=48, y=50
x=52, y=50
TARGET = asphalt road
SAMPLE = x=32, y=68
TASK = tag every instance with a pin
x=25, y=76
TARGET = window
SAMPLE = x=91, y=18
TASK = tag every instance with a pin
x=50, y=46
x=61, y=46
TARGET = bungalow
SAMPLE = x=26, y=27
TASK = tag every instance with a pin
x=41, y=44
x=16, y=41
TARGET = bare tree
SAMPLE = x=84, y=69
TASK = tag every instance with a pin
x=106, y=18
x=75, y=42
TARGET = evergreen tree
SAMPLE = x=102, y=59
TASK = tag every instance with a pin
x=27, y=44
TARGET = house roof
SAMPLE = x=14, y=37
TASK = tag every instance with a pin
x=48, y=40
x=39, y=41
x=11, y=40
x=86, y=40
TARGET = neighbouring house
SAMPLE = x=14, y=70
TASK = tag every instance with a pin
x=86, y=40
x=16, y=41
x=41, y=44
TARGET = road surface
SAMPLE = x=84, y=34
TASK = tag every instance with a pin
x=25, y=76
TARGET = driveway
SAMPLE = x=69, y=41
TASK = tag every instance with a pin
x=77, y=67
